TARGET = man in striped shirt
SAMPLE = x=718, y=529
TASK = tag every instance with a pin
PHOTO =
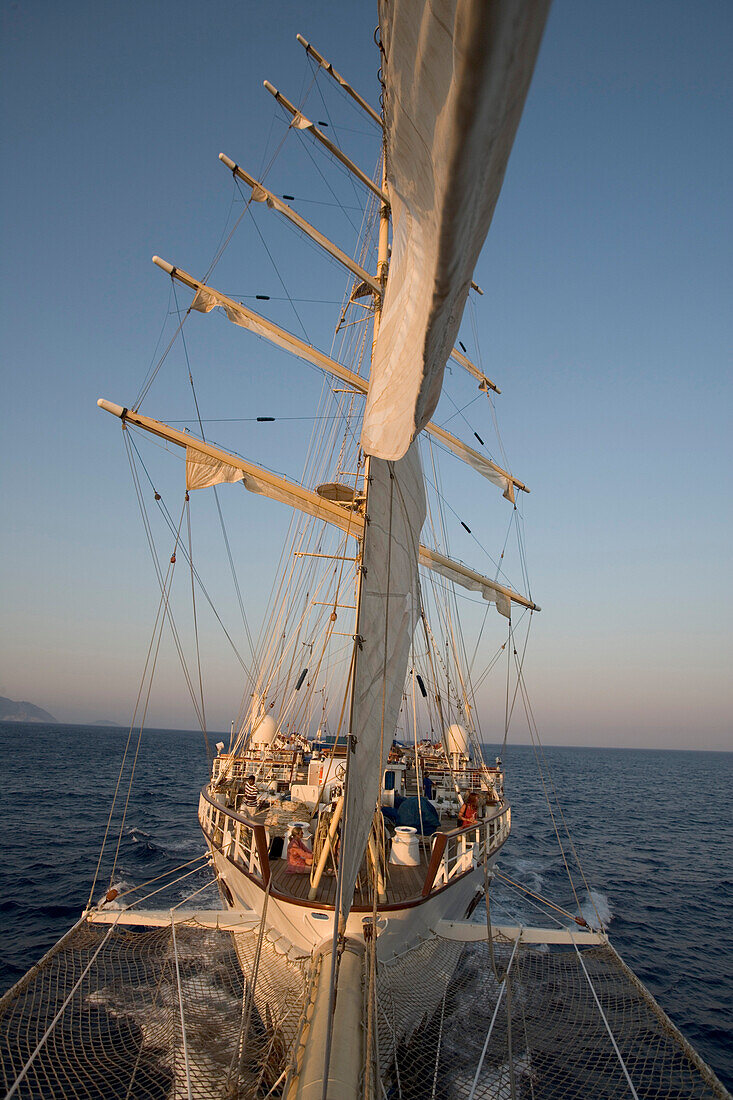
x=251, y=794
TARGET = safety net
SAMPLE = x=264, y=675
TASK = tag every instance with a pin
x=190, y=1011
x=161, y=1013
x=458, y=1021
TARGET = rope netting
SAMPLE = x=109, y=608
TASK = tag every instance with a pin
x=138, y=1013
x=449, y=1031
x=154, y=1016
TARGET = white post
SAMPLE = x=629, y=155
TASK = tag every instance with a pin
x=327, y=848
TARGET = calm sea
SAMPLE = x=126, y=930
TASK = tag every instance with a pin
x=654, y=831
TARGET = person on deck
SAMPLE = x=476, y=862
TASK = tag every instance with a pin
x=300, y=856
x=468, y=811
x=251, y=794
x=427, y=786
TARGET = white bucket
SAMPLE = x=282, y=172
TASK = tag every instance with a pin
x=405, y=847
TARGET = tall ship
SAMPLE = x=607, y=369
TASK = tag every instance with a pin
x=353, y=820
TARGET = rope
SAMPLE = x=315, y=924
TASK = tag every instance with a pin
x=152, y=373
x=23, y=1073
x=472, y=1093
x=196, y=628
x=180, y=1005
x=248, y=1001
x=163, y=509
x=165, y=595
x=167, y=609
x=535, y=738
x=532, y=894
x=218, y=503
x=438, y=1043
x=489, y=936
x=165, y=874
x=605, y=1021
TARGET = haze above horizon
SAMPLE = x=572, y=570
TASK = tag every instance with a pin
x=606, y=321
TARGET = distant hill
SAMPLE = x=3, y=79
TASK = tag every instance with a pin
x=11, y=711
x=106, y=722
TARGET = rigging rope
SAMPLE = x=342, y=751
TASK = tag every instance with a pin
x=605, y=1021
x=180, y=1005
x=163, y=509
x=502, y=990
x=196, y=628
x=536, y=742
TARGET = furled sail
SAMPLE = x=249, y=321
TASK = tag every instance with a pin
x=456, y=77
x=208, y=465
x=468, y=578
x=207, y=298
x=389, y=606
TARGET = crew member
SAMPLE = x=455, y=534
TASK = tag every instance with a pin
x=251, y=794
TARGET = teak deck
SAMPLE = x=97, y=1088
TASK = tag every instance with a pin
x=404, y=884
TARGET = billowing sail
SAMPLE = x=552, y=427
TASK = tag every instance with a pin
x=456, y=77
x=388, y=611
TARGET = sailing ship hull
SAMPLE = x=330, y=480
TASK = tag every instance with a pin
x=307, y=924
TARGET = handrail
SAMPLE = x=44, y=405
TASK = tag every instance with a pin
x=499, y=811
x=229, y=812
x=441, y=843
x=436, y=858
x=256, y=828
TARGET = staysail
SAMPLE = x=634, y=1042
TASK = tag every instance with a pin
x=456, y=77
x=389, y=606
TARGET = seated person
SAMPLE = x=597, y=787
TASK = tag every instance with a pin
x=469, y=810
x=300, y=856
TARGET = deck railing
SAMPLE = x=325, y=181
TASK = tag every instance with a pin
x=455, y=852
x=237, y=837
x=281, y=766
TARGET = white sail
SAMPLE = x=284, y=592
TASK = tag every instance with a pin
x=388, y=610
x=456, y=77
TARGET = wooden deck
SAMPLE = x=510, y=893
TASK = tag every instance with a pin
x=404, y=884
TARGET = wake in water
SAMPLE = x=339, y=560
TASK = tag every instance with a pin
x=595, y=909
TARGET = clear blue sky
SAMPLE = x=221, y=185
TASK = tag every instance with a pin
x=606, y=321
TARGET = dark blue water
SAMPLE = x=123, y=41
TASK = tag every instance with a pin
x=654, y=831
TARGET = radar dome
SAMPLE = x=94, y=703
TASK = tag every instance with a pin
x=457, y=739
x=264, y=730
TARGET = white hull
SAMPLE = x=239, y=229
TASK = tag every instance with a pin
x=307, y=926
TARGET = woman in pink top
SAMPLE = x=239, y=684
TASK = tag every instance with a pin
x=468, y=811
x=300, y=856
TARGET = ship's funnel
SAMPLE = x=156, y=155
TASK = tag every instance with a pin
x=457, y=740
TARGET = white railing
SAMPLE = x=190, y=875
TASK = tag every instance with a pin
x=458, y=851
x=239, y=839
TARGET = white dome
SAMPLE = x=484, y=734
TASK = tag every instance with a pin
x=264, y=730
x=457, y=739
